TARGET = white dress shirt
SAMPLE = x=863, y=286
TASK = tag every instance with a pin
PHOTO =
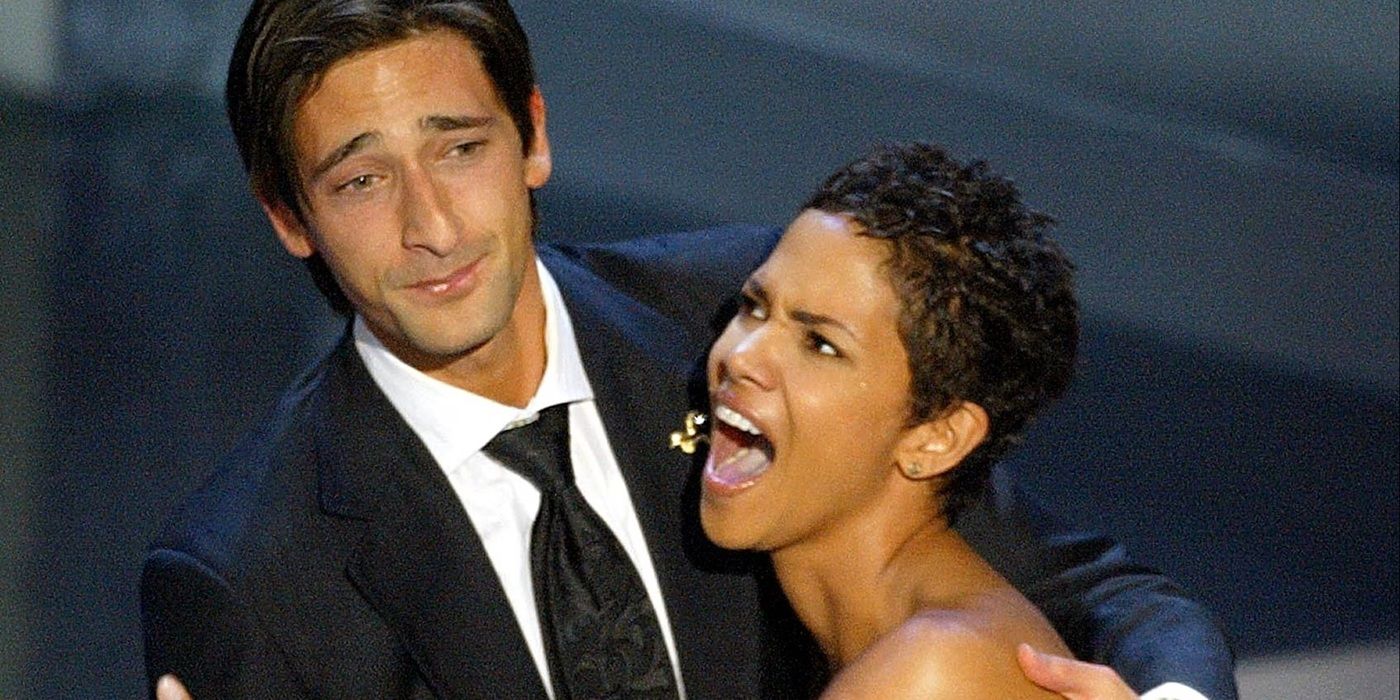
x=456, y=424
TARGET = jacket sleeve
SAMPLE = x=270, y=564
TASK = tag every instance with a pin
x=1107, y=609
x=195, y=627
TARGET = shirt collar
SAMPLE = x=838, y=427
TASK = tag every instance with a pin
x=454, y=423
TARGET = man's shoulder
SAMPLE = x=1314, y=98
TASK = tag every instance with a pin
x=699, y=255
x=680, y=275
x=264, y=485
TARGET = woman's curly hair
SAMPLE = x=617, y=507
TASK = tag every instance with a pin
x=988, y=309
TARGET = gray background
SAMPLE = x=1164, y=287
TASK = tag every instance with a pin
x=1226, y=178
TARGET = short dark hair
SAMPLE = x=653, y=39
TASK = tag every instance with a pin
x=285, y=47
x=988, y=308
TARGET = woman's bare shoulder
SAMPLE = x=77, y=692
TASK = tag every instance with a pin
x=964, y=652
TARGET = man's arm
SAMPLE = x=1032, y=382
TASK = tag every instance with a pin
x=196, y=628
x=1107, y=609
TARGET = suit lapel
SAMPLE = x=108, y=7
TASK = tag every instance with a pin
x=639, y=364
x=420, y=563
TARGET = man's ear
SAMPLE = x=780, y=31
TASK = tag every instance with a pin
x=538, y=163
x=937, y=445
x=291, y=231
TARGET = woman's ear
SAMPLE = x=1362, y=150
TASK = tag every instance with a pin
x=937, y=445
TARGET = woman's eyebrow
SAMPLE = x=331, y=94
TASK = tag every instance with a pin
x=810, y=318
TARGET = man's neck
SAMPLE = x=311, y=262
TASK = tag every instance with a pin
x=508, y=368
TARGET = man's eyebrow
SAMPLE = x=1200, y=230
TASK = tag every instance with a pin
x=448, y=122
x=435, y=122
x=346, y=150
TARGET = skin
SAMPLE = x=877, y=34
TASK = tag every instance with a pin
x=170, y=688
x=1071, y=679
x=798, y=377
x=848, y=508
x=417, y=197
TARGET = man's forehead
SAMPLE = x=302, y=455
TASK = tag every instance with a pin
x=438, y=53
x=433, y=80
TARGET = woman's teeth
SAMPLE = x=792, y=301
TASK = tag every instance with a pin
x=732, y=417
x=743, y=456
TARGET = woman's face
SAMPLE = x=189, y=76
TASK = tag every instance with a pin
x=809, y=390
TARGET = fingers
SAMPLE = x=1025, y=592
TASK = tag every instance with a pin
x=170, y=688
x=1076, y=680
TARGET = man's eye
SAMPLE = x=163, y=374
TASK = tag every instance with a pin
x=465, y=148
x=357, y=183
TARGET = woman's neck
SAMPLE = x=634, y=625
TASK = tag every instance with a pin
x=857, y=583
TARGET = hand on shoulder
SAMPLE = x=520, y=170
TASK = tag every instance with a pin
x=1073, y=680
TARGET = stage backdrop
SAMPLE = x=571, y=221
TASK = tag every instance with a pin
x=1226, y=178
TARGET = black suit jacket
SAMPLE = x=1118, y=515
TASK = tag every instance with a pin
x=329, y=557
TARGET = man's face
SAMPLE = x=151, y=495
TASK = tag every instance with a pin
x=417, y=197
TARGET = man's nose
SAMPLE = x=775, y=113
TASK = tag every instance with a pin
x=429, y=221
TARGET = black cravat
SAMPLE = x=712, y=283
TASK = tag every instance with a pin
x=600, y=631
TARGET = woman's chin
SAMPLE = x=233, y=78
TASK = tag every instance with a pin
x=731, y=512
x=722, y=528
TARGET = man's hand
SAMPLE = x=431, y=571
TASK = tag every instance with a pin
x=170, y=688
x=1076, y=680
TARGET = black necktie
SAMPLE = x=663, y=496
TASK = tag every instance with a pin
x=600, y=631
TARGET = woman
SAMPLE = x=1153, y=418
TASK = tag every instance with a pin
x=909, y=323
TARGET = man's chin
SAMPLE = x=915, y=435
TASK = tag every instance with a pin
x=435, y=351
x=435, y=345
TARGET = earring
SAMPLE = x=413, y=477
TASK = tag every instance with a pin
x=913, y=470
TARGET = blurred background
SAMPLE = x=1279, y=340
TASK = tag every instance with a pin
x=1225, y=175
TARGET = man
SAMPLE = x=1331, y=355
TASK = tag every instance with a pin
x=366, y=540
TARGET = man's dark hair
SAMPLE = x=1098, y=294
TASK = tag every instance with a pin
x=988, y=313
x=285, y=47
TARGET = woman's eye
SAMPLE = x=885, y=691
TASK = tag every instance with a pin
x=749, y=306
x=819, y=344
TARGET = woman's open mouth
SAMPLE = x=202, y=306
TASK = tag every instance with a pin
x=739, y=451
